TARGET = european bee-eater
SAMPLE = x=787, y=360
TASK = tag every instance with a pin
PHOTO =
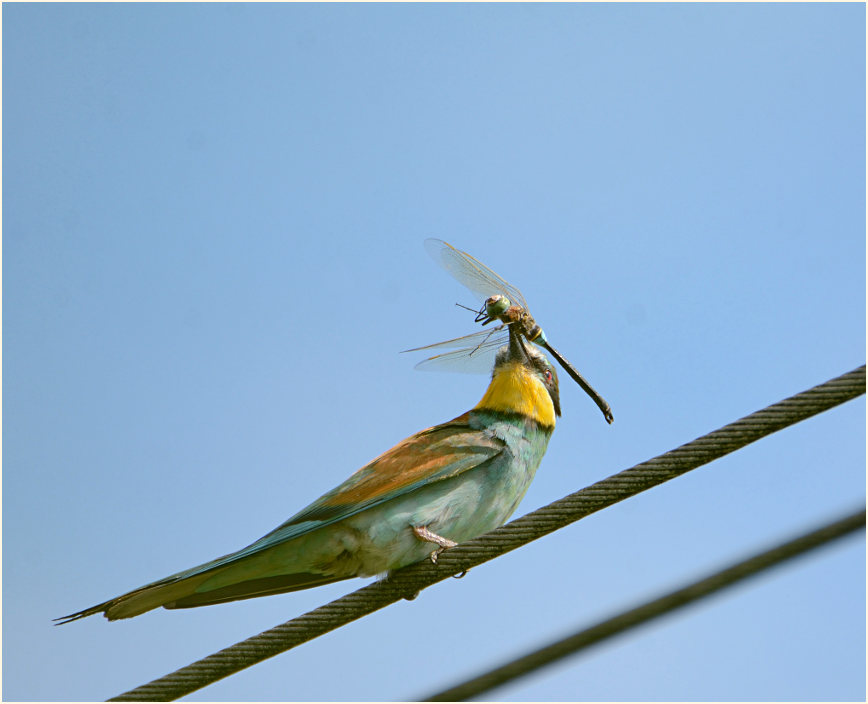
x=435, y=489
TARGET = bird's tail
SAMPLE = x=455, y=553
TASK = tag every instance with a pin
x=140, y=600
x=179, y=592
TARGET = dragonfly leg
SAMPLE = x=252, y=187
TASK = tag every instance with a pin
x=491, y=332
x=429, y=536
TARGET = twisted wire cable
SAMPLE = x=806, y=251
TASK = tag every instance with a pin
x=407, y=582
x=603, y=630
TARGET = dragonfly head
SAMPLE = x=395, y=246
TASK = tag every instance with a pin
x=496, y=305
x=493, y=308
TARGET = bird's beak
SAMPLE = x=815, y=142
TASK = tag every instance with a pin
x=517, y=352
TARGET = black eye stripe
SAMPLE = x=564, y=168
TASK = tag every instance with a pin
x=541, y=364
x=545, y=369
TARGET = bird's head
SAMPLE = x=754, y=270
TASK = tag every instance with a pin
x=523, y=382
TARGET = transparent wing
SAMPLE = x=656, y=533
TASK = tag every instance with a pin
x=471, y=272
x=473, y=340
x=478, y=359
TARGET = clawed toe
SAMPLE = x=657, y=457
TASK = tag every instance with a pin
x=429, y=536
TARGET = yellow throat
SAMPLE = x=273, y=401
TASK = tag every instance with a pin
x=515, y=389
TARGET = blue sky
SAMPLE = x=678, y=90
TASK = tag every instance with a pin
x=212, y=237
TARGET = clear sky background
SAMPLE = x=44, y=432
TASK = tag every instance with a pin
x=212, y=236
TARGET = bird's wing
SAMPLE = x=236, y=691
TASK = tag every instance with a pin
x=429, y=456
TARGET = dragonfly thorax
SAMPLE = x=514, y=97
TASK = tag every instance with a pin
x=527, y=325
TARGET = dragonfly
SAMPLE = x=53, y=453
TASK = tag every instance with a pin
x=503, y=303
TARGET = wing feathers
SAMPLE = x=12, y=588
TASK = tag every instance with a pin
x=429, y=456
x=264, y=586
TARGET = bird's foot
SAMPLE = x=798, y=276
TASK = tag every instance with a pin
x=429, y=536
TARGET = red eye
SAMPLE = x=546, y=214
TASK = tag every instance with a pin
x=548, y=375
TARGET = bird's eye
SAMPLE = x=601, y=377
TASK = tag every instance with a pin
x=548, y=375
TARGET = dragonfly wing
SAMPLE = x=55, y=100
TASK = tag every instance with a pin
x=473, y=340
x=478, y=359
x=471, y=272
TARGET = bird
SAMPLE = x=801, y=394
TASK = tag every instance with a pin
x=444, y=485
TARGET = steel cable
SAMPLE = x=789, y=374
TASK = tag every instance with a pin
x=603, y=630
x=409, y=581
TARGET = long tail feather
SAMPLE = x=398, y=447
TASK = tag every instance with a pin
x=182, y=594
x=139, y=600
x=265, y=586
